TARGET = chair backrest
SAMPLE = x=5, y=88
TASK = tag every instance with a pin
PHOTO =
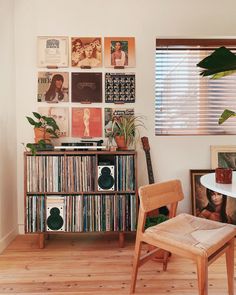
x=156, y=195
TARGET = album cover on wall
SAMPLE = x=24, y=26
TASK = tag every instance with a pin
x=86, y=87
x=120, y=87
x=111, y=113
x=53, y=51
x=60, y=115
x=86, y=52
x=86, y=122
x=119, y=51
x=53, y=87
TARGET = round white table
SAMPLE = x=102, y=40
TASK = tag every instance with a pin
x=208, y=180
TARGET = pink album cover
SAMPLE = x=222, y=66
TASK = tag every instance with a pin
x=86, y=122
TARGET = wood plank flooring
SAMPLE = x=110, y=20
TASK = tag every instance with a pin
x=94, y=264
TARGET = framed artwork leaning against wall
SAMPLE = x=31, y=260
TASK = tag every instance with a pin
x=209, y=204
x=223, y=156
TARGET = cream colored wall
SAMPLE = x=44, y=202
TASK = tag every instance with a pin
x=8, y=154
x=145, y=20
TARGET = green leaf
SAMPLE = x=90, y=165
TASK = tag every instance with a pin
x=226, y=115
x=221, y=60
x=37, y=115
x=31, y=121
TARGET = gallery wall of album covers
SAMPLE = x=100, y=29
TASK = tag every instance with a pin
x=81, y=80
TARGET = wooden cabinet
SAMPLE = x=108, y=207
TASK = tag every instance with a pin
x=80, y=191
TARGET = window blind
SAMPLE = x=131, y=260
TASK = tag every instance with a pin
x=185, y=102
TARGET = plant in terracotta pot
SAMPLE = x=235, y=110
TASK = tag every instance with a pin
x=45, y=128
x=125, y=130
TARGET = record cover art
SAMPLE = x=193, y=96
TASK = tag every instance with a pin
x=120, y=88
x=87, y=87
x=53, y=87
x=119, y=52
x=110, y=113
x=60, y=115
x=86, y=122
x=52, y=51
x=86, y=52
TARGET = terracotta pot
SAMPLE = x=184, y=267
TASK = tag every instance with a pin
x=40, y=133
x=120, y=141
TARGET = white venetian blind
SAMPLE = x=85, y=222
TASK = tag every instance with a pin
x=185, y=102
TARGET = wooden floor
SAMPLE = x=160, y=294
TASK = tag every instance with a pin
x=94, y=264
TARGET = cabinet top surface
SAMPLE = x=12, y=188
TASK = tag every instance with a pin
x=94, y=152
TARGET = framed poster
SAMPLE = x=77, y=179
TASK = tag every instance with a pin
x=110, y=113
x=53, y=51
x=53, y=87
x=86, y=52
x=120, y=88
x=209, y=204
x=119, y=52
x=86, y=87
x=60, y=115
x=86, y=122
x=223, y=156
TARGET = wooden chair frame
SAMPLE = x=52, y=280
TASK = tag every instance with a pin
x=169, y=193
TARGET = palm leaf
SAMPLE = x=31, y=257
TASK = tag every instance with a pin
x=221, y=60
x=226, y=115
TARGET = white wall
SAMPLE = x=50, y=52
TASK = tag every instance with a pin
x=8, y=155
x=145, y=20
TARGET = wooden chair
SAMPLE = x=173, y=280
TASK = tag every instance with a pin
x=199, y=239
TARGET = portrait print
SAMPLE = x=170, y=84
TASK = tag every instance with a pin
x=53, y=87
x=86, y=122
x=119, y=52
x=86, y=52
x=209, y=204
x=60, y=115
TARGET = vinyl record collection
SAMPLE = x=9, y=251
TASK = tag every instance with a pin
x=80, y=191
x=45, y=173
x=125, y=171
x=83, y=213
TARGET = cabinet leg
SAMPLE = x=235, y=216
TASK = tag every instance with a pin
x=121, y=240
x=41, y=241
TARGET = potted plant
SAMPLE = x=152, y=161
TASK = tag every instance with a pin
x=124, y=130
x=45, y=128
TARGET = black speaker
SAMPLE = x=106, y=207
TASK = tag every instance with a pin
x=55, y=217
x=106, y=178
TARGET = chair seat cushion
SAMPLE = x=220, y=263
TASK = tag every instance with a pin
x=190, y=233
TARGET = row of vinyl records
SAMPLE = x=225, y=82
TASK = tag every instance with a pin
x=77, y=213
x=75, y=173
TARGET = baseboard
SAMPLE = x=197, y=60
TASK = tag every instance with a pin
x=21, y=228
x=5, y=241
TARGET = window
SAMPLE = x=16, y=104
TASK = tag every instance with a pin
x=185, y=102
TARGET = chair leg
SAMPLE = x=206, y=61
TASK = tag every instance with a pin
x=165, y=260
x=137, y=252
x=202, y=273
x=230, y=266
